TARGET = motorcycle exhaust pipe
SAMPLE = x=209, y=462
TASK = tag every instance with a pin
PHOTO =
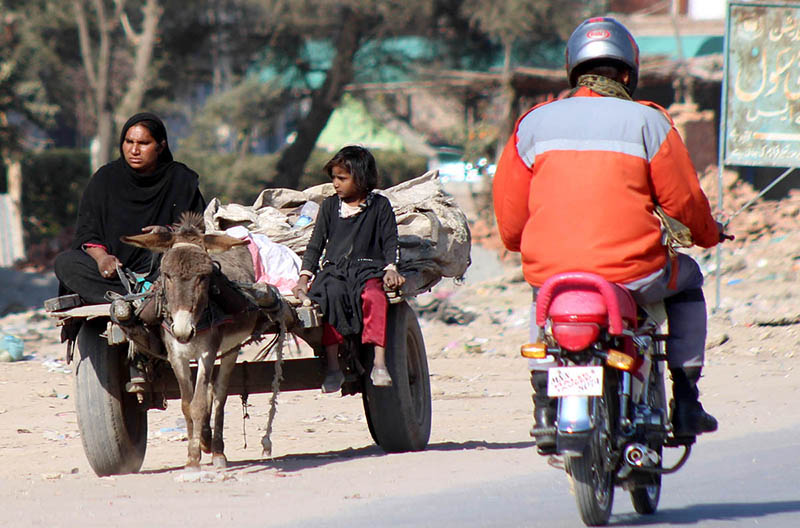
x=639, y=455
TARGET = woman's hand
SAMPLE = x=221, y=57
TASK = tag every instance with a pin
x=106, y=263
x=392, y=280
x=107, y=266
x=155, y=229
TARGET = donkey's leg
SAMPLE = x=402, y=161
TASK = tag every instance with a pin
x=183, y=374
x=220, y=397
x=205, y=433
x=199, y=406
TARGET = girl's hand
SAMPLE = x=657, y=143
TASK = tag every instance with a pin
x=393, y=280
x=301, y=290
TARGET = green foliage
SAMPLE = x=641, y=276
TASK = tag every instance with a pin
x=530, y=20
x=229, y=121
x=52, y=186
x=21, y=90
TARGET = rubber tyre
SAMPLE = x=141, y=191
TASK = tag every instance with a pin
x=593, y=483
x=645, y=499
x=399, y=417
x=112, y=424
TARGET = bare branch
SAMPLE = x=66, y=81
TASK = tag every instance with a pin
x=85, y=43
x=130, y=33
x=145, y=43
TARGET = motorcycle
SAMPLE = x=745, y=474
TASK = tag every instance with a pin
x=612, y=423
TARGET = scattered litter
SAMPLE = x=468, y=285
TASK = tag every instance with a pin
x=53, y=435
x=777, y=320
x=51, y=476
x=11, y=348
x=436, y=307
x=475, y=345
x=56, y=365
x=165, y=430
x=717, y=341
x=203, y=476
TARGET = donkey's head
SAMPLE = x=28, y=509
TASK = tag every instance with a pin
x=186, y=269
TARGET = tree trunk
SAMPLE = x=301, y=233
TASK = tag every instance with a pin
x=144, y=42
x=323, y=102
x=14, y=180
x=509, y=117
x=98, y=72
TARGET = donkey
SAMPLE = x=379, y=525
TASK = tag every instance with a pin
x=185, y=282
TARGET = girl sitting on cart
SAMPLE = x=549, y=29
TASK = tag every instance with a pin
x=357, y=230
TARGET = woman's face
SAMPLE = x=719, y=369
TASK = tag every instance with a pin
x=140, y=149
x=345, y=185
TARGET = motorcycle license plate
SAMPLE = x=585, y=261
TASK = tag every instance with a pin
x=574, y=381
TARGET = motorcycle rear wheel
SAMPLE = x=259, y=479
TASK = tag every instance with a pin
x=592, y=477
x=645, y=499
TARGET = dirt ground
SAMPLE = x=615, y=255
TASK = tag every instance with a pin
x=324, y=458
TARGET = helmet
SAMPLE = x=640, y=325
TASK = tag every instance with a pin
x=602, y=38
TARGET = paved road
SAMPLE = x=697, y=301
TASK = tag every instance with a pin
x=748, y=481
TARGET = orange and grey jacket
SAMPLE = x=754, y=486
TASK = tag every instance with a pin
x=577, y=183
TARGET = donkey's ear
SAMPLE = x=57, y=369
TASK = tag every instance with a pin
x=158, y=242
x=222, y=243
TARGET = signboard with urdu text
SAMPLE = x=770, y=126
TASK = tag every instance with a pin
x=762, y=113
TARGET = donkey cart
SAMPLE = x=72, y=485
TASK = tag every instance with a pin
x=117, y=379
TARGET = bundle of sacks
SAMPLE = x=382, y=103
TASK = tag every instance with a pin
x=434, y=236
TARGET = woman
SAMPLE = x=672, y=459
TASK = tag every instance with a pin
x=142, y=191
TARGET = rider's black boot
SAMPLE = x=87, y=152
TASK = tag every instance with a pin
x=544, y=414
x=688, y=416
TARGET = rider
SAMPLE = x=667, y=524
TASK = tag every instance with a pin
x=576, y=188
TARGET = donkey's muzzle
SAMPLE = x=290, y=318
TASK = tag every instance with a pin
x=182, y=326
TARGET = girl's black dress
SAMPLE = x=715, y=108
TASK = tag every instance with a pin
x=357, y=248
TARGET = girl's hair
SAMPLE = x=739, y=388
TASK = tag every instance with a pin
x=359, y=162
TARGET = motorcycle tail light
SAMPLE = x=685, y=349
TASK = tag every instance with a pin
x=533, y=350
x=575, y=336
x=620, y=360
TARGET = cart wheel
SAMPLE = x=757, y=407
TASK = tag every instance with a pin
x=399, y=417
x=113, y=425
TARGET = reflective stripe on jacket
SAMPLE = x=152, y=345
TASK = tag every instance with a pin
x=577, y=183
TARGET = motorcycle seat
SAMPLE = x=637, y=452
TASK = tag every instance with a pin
x=582, y=297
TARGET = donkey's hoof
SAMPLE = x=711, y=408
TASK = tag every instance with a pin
x=219, y=461
x=191, y=467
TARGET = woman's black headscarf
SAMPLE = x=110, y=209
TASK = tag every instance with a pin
x=157, y=129
x=120, y=201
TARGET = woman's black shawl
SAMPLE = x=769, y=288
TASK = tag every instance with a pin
x=356, y=248
x=120, y=201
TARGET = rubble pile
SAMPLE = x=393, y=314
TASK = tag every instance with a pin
x=764, y=218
